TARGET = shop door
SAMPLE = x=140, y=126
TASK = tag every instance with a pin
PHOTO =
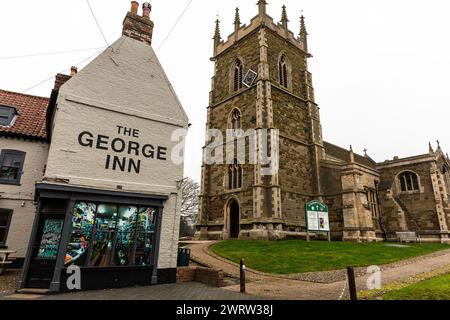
x=45, y=252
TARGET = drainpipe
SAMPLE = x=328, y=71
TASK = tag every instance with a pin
x=380, y=209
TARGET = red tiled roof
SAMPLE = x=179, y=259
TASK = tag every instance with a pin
x=31, y=119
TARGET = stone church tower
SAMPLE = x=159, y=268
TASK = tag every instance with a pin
x=237, y=199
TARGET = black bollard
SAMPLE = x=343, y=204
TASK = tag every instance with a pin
x=352, y=283
x=242, y=276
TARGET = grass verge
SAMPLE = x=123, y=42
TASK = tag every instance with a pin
x=288, y=257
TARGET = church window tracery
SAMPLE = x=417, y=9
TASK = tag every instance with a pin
x=235, y=119
x=283, y=71
x=409, y=181
x=238, y=75
x=235, y=175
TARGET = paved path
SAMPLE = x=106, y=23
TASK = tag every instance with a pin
x=291, y=289
x=182, y=291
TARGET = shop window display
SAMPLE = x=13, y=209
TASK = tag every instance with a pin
x=82, y=223
x=125, y=236
x=109, y=235
x=145, y=233
x=104, y=228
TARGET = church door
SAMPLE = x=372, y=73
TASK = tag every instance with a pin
x=234, y=220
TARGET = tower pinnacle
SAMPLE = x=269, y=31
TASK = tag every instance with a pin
x=237, y=18
x=352, y=154
x=237, y=25
x=284, y=17
x=284, y=20
x=262, y=7
x=217, y=36
x=303, y=32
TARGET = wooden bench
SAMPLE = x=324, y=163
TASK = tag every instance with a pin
x=407, y=237
x=4, y=261
x=3, y=265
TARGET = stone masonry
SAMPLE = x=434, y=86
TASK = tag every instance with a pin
x=365, y=198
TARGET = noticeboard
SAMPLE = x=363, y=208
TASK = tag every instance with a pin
x=317, y=218
x=51, y=235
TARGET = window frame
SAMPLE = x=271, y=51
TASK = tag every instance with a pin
x=238, y=75
x=235, y=123
x=11, y=117
x=19, y=153
x=115, y=235
x=235, y=176
x=372, y=202
x=408, y=185
x=9, y=212
x=284, y=72
x=446, y=176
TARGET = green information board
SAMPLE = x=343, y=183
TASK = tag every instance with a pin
x=317, y=217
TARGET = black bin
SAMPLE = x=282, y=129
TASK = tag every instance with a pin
x=184, y=255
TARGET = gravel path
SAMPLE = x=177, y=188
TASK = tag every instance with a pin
x=8, y=282
x=318, y=285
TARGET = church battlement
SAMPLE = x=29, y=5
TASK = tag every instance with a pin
x=262, y=19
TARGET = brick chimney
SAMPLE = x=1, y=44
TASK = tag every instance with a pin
x=63, y=78
x=139, y=27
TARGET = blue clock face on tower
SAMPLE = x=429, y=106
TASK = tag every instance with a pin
x=250, y=78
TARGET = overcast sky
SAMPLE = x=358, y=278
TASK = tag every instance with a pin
x=381, y=69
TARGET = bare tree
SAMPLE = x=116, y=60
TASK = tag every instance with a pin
x=190, y=191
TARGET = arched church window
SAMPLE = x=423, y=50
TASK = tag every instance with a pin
x=283, y=71
x=235, y=119
x=409, y=181
x=238, y=75
x=235, y=174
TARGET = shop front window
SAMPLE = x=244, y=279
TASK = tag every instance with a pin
x=110, y=235
x=105, y=228
x=82, y=223
x=145, y=233
x=125, y=236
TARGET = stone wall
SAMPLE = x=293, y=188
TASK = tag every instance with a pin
x=297, y=61
x=270, y=205
x=345, y=186
x=417, y=210
x=292, y=118
x=223, y=101
x=248, y=53
x=332, y=188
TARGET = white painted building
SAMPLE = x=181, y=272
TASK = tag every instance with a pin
x=109, y=201
x=23, y=154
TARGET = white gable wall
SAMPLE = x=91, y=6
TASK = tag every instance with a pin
x=125, y=86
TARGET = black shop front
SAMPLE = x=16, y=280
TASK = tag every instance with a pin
x=111, y=238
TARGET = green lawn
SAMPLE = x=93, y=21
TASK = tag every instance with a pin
x=285, y=257
x=434, y=289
